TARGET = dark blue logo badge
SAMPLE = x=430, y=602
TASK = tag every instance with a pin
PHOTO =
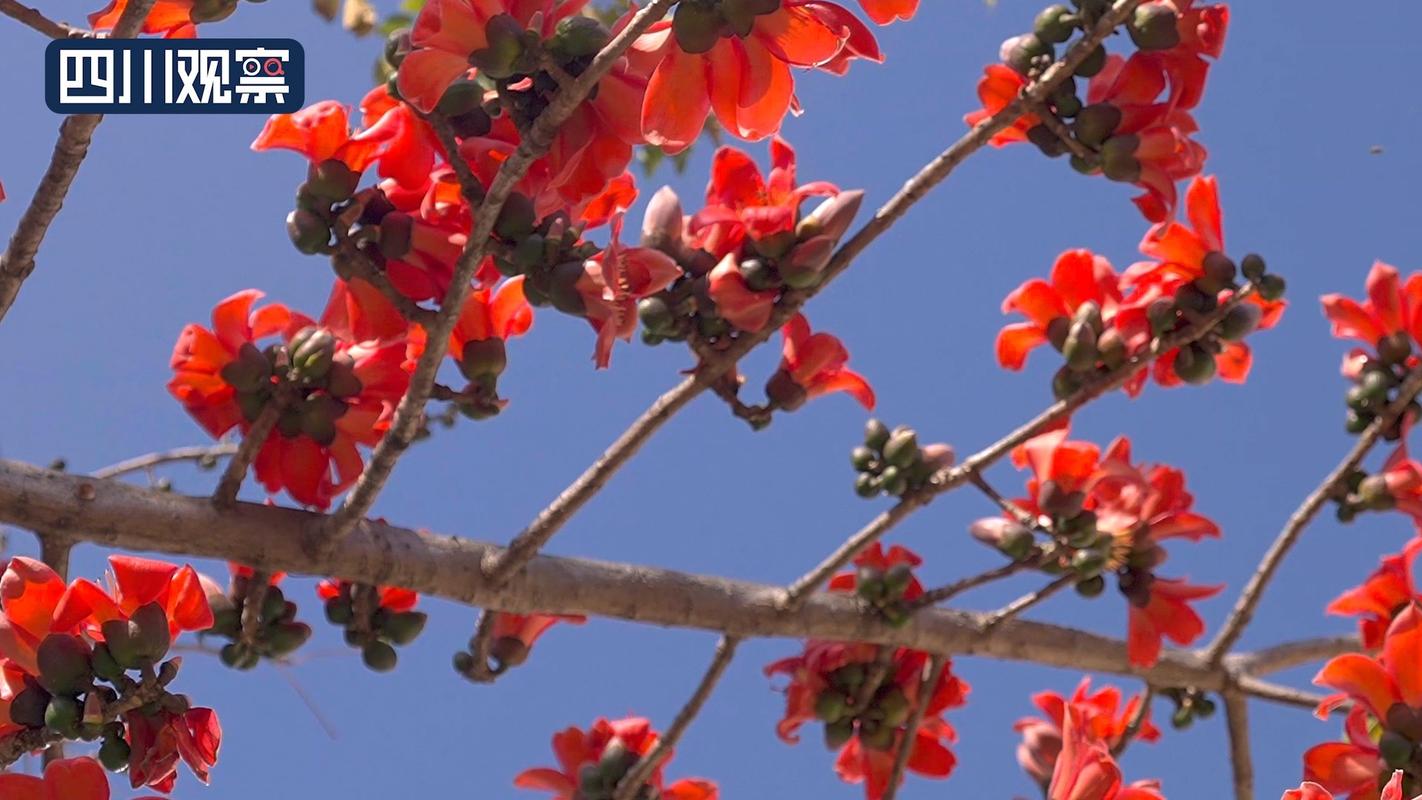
x=174, y=76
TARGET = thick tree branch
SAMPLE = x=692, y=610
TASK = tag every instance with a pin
x=1237, y=719
x=410, y=413
x=118, y=514
x=34, y=18
x=638, y=775
x=75, y=133
x=1248, y=600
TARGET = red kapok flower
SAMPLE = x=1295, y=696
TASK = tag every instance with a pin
x=1389, y=319
x=324, y=424
x=612, y=747
x=159, y=741
x=1309, y=790
x=1350, y=767
x=1086, y=771
x=875, y=557
x=29, y=593
x=825, y=681
x=172, y=18
x=137, y=582
x=1078, y=277
x=1378, y=599
x=745, y=79
x=742, y=204
x=322, y=132
x=66, y=779
x=1099, y=712
x=611, y=284
x=884, y=12
x=515, y=634
x=813, y=364
x=391, y=597
x=488, y=319
x=1000, y=86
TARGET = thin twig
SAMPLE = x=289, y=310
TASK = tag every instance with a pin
x=481, y=646
x=1026, y=601
x=933, y=597
x=54, y=551
x=1054, y=124
x=910, y=735
x=1010, y=508
x=358, y=265
x=1248, y=600
x=75, y=134
x=1237, y=719
x=410, y=413
x=643, y=769
x=252, y=441
x=37, y=20
x=1133, y=727
x=143, y=463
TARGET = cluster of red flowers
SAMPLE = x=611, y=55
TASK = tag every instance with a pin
x=65, y=652
x=865, y=695
x=1104, y=515
x=592, y=762
x=1099, y=319
x=1070, y=754
x=1136, y=120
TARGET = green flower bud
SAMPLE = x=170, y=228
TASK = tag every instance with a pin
x=877, y=737
x=563, y=288
x=149, y=627
x=509, y=651
x=1055, y=24
x=832, y=217
x=285, y=637
x=396, y=235
x=28, y=707
x=1373, y=494
x=472, y=124
x=318, y=421
x=1219, y=271
x=1194, y=364
x=1182, y=718
x=62, y=716
x=697, y=27
x=500, y=60
x=397, y=46
x=831, y=706
x=1395, y=749
x=876, y=434
x=1358, y=422
x=578, y=37
x=1154, y=26
x=1095, y=124
x=1047, y=141
x=838, y=734
x=104, y=665
x=1093, y=64
x=1080, y=347
x=1241, y=321
x=848, y=677
x=1092, y=586
x=1395, y=348
x=1271, y=287
x=1025, y=52
x=1066, y=383
x=308, y=231
x=312, y=349
x=483, y=358
x=804, y=267
x=517, y=218
x=1253, y=267
x=64, y=664
x=784, y=392
x=862, y=458
x=1112, y=346
x=404, y=627
x=339, y=611
x=897, y=578
x=332, y=181
x=901, y=450
x=379, y=656
x=341, y=381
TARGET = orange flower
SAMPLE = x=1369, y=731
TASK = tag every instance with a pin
x=1348, y=767
x=1393, y=311
x=335, y=415
x=161, y=740
x=745, y=79
x=1100, y=713
x=136, y=582
x=487, y=320
x=322, y=132
x=172, y=18
x=884, y=12
x=813, y=364
x=1000, y=85
x=1085, y=769
x=602, y=755
x=66, y=779
x=824, y=682
x=1312, y=791
x=742, y=204
x=611, y=284
x=29, y=593
x=1379, y=598
x=875, y=558
x=515, y=634
x=1078, y=277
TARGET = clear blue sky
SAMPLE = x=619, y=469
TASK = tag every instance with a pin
x=170, y=214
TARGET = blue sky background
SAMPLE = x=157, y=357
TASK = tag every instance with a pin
x=170, y=214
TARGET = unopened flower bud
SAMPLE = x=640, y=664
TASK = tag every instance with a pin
x=312, y=350
x=1374, y=494
x=1010, y=537
x=1253, y=267
x=876, y=434
x=697, y=27
x=938, y=455
x=1093, y=63
x=1055, y=24
x=517, y=218
x=784, y=392
x=404, y=627
x=1239, y=322
x=379, y=656
x=1154, y=26
x=1095, y=124
x=1080, y=347
x=578, y=37
x=509, y=651
x=837, y=734
x=483, y=357
x=1112, y=346
x=1194, y=365
x=901, y=450
x=803, y=268
x=831, y=218
x=63, y=662
x=396, y=235
x=1118, y=160
x=308, y=231
x=500, y=59
x=1271, y=287
x=662, y=223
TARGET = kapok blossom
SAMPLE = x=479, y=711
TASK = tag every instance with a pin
x=1309, y=790
x=744, y=205
x=322, y=132
x=172, y=18
x=1136, y=507
x=388, y=597
x=611, y=284
x=1382, y=596
x=1389, y=321
x=1086, y=770
x=488, y=319
x=514, y=635
x=703, y=64
x=1101, y=713
x=814, y=364
x=1078, y=277
x=1385, y=723
x=65, y=779
x=159, y=741
x=224, y=380
x=596, y=759
x=134, y=583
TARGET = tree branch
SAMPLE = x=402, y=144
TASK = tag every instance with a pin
x=638, y=775
x=1292, y=654
x=1237, y=719
x=117, y=514
x=37, y=20
x=920, y=707
x=1248, y=600
x=75, y=133
x=252, y=441
x=201, y=454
